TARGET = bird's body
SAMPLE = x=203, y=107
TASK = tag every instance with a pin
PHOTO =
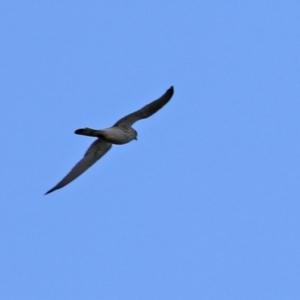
x=114, y=135
x=120, y=133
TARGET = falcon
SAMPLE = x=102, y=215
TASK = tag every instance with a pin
x=120, y=133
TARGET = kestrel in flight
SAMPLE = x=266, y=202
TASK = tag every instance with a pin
x=120, y=133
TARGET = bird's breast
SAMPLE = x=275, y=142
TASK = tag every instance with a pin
x=117, y=135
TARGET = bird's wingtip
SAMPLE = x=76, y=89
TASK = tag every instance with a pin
x=171, y=89
x=50, y=191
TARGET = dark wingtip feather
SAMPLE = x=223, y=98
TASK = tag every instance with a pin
x=53, y=189
x=50, y=191
x=171, y=90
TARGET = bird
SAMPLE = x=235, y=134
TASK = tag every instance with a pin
x=120, y=133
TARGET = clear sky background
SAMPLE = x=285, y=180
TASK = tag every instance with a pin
x=205, y=205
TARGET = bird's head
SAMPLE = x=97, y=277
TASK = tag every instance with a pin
x=135, y=134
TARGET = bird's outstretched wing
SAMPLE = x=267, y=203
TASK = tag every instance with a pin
x=147, y=110
x=94, y=152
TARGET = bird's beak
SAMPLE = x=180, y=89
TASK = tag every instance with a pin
x=136, y=138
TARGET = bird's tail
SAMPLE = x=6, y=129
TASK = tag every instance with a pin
x=88, y=132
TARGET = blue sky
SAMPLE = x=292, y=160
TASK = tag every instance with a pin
x=205, y=205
